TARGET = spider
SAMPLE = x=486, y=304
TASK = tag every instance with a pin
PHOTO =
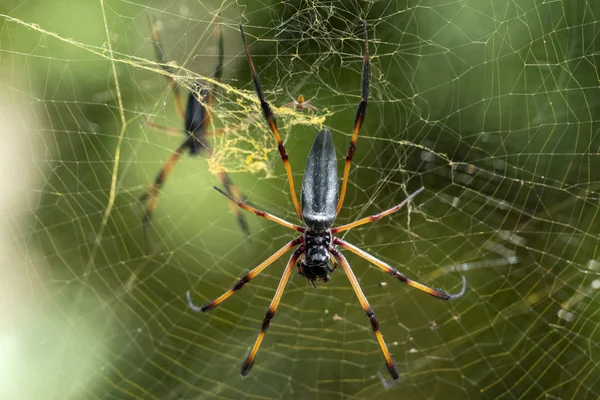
x=196, y=118
x=300, y=104
x=320, y=206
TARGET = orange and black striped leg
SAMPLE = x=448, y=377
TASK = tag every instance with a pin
x=260, y=213
x=391, y=366
x=271, y=311
x=245, y=279
x=270, y=118
x=234, y=193
x=440, y=294
x=375, y=217
x=162, y=59
x=150, y=197
x=358, y=121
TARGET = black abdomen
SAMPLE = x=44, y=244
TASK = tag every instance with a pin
x=320, y=184
x=195, y=124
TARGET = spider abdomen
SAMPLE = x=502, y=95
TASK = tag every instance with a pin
x=196, y=119
x=320, y=185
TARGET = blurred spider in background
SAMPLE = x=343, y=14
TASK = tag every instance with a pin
x=196, y=123
x=316, y=250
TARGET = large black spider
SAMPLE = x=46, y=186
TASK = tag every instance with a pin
x=320, y=207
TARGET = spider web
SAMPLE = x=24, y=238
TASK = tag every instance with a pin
x=492, y=106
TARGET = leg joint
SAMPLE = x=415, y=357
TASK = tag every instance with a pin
x=373, y=319
x=267, y=320
x=241, y=282
x=397, y=274
x=360, y=113
x=282, y=151
x=351, y=151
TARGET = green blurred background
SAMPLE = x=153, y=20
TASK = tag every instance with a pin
x=493, y=106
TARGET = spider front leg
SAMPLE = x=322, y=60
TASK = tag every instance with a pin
x=376, y=217
x=270, y=119
x=218, y=73
x=162, y=59
x=391, y=366
x=440, y=294
x=358, y=121
x=260, y=213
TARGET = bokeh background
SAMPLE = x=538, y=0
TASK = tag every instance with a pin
x=492, y=106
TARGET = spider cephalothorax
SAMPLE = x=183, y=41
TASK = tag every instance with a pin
x=315, y=265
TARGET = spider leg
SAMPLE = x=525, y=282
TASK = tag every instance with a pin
x=200, y=101
x=291, y=97
x=270, y=118
x=440, y=294
x=271, y=311
x=309, y=106
x=162, y=59
x=234, y=193
x=203, y=131
x=375, y=217
x=150, y=197
x=218, y=68
x=245, y=279
x=260, y=213
x=358, y=121
x=391, y=366
x=175, y=132
x=312, y=98
x=223, y=176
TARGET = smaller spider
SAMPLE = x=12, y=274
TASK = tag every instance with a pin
x=300, y=104
x=196, y=130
